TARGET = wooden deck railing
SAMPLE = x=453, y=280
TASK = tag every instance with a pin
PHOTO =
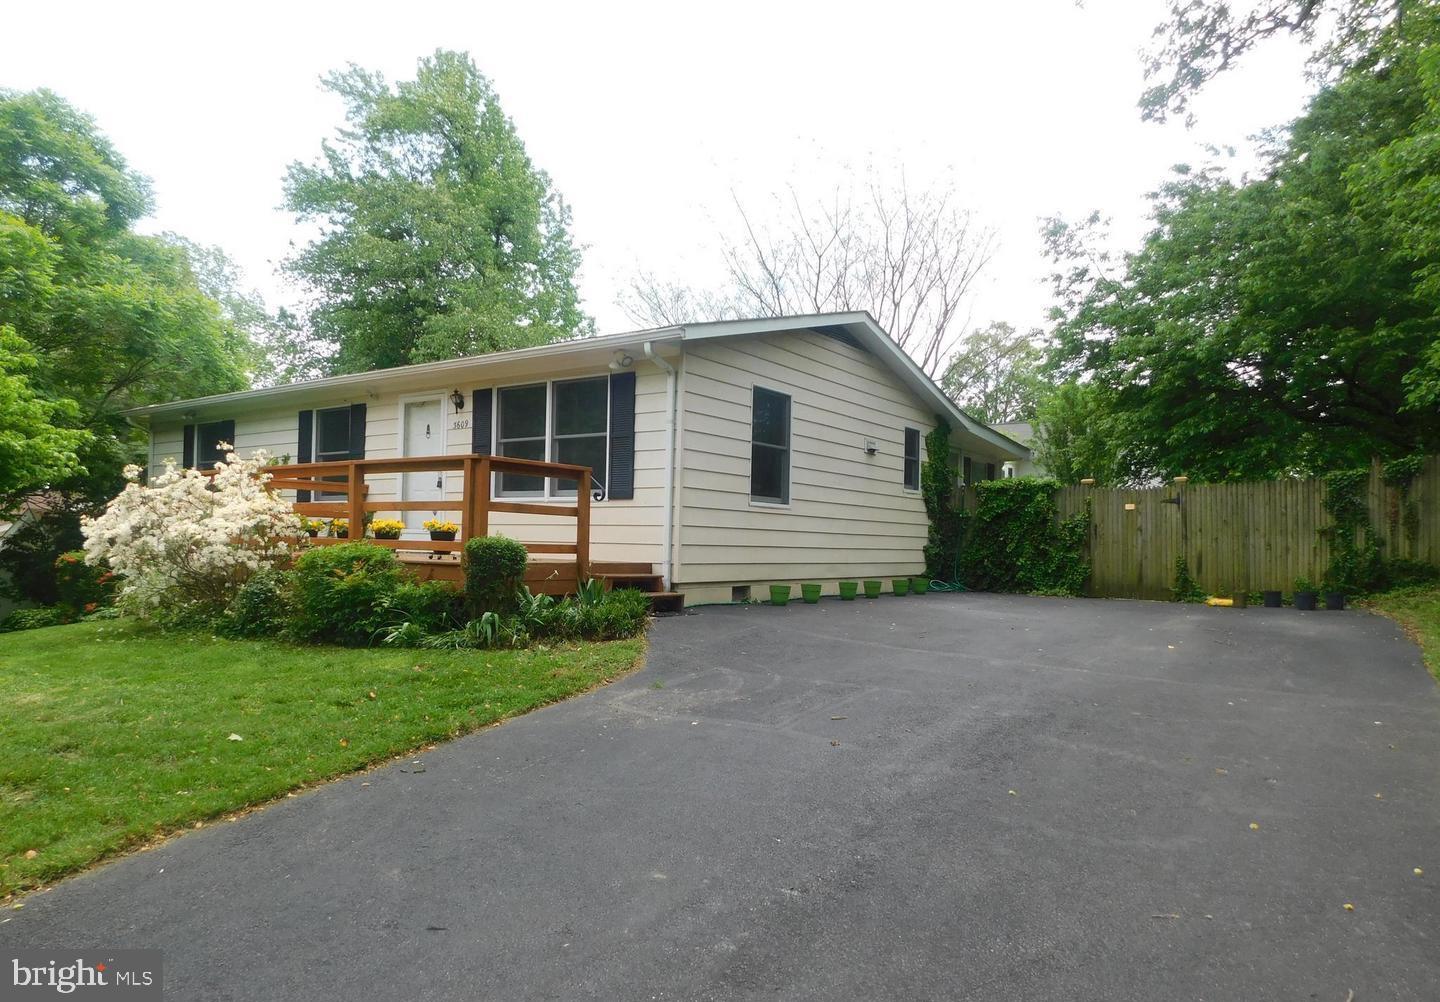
x=474, y=504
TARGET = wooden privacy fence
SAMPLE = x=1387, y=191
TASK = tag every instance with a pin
x=1240, y=536
x=474, y=506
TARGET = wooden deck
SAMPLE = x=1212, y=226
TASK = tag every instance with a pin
x=549, y=570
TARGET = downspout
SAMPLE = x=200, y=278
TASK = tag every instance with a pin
x=668, y=544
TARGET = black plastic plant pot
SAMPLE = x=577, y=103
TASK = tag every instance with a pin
x=1334, y=600
x=1273, y=599
x=1305, y=600
x=442, y=537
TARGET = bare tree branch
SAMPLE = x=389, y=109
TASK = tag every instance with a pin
x=908, y=258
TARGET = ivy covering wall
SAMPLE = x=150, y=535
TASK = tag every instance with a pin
x=1012, y=541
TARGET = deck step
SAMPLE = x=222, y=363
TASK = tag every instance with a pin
x=666, y=601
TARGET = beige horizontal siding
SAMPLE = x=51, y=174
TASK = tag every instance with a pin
x=849, y=515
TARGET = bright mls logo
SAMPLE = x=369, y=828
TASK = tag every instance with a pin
x=132, y=975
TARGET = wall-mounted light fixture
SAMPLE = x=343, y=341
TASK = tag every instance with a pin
x=621, y=362
x=458, y=399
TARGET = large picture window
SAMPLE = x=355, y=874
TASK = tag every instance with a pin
x=770, y=447
x=561, y=422
x=912, y=458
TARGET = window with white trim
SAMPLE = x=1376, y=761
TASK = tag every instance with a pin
x=567, y=421
x=912, y=459
x=769, y=447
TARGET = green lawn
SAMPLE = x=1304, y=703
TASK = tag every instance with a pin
x=1418, y=610
x=112, y=734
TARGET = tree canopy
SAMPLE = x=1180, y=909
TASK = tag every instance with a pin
x=995, y=374
x=438, y=237
x=94, y=318
x=1278, y=324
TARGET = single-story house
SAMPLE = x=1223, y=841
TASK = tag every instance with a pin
x=726, y=456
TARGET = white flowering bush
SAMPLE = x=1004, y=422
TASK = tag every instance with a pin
x=188, y=539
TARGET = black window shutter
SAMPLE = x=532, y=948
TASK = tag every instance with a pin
x=188, y=449
x=622, y=437
x=481, y=409
x=304, y=446
x=357, y=431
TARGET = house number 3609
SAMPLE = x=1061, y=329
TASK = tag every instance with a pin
x=459, y=423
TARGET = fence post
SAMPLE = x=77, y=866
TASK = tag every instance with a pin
x=477, y=513
x=355, y=495
x=582, y=529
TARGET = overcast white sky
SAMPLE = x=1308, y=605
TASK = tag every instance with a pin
x=648, y=115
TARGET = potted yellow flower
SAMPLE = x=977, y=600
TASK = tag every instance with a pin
x=311, y=526
x=387, y=528
x=441, y=530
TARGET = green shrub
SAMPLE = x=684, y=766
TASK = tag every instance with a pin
x=81, y=586
x=429, y=606
x=494, y=573
x=261, y=608
x=614, y=616
x=1404, y=573
x=34, y=619
x=346, y=593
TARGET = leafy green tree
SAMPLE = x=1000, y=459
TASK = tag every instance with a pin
x=1076, y=437
x=1203, y=38
x=33, y=451
x=995, y=374
x=438, y=236
x=104, y=318
x=1275, y=326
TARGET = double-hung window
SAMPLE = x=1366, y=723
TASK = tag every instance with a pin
x=332, y=442
x=208, y=439
x=912, y=459
x=770, y=447
x=560, y=422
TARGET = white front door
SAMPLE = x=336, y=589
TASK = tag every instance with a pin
x=424, y=436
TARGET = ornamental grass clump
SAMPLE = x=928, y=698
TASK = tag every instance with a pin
x=187, y=541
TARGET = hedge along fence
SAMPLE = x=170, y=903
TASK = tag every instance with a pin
x=1246, y=536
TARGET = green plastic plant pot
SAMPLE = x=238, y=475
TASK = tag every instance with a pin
x=901, y=586
x=848, y=590
x=919, y=586
x=779, y=594
x=811, y=592
x=874, y=588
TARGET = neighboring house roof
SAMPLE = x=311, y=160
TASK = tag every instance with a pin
x=856, y=328
x=1019, y=431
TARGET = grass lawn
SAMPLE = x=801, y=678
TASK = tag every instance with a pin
x=112, y=734
x=1418, y=610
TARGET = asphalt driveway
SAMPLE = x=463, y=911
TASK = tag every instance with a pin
x=962, y=797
